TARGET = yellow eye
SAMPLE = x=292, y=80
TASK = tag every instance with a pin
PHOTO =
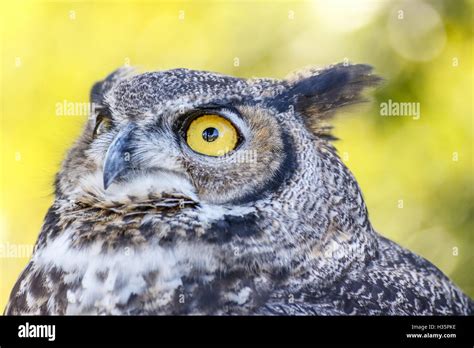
x=102, y=125
x=211, y=135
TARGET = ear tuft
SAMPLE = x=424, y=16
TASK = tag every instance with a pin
x=100, y=88
x=317, y=94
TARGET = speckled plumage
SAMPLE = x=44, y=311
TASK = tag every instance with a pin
x=182, y=233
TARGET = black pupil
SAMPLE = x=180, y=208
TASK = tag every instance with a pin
x=210, y=134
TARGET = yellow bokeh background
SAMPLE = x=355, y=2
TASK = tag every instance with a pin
x=416, y=174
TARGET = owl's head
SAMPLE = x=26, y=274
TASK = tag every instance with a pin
x=208, y=137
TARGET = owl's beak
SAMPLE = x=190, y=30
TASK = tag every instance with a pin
x=118, y=156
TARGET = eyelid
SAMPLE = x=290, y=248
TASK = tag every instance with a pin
x=99, y=119
x=101, y=113
x=215, y=109
x=104, y=112
x=192, y=115
x=219, y=107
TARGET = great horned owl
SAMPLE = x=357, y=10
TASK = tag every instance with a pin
x=191, y=192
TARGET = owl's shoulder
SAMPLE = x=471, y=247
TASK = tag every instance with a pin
x=396, y=282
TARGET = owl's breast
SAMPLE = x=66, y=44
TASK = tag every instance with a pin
x=107, y=280
x=128, y=271
x=164, y=256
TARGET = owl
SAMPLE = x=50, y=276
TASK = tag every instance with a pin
x=192, y=192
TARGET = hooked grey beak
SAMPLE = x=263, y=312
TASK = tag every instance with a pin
x=118, y=156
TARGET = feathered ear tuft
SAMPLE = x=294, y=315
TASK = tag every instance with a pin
x=100, y=88
x=317, y=94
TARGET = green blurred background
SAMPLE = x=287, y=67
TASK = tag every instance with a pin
x=416, y=175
